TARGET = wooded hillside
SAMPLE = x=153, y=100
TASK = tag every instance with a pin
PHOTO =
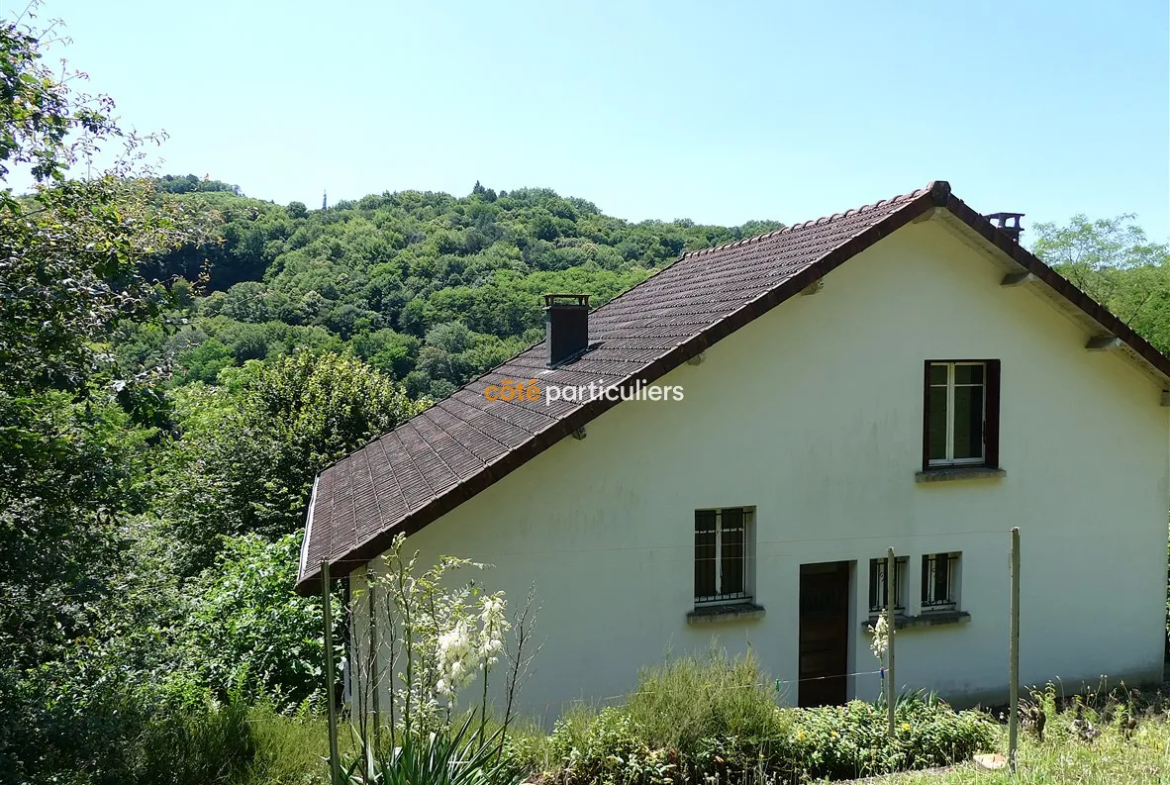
x=426, y=287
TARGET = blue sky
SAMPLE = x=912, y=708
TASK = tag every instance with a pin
x=716, y=111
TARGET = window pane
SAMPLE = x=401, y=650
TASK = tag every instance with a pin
x=938, y=423
x=938, y=374
x=968, y=422
x=899, y=571
x=705, y=554
x=732, y=557
x=942, y=582
x=969, y=374
x=877, y=584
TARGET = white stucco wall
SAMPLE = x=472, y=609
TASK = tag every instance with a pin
x=813, y=415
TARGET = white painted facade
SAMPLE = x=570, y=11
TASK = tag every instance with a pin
x=812, y=414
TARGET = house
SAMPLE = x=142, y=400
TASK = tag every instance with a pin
x=900, y=375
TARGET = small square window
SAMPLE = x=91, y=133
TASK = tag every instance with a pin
x=878, y=588
x=722, y=555
x=961, y=417
x=940, y=572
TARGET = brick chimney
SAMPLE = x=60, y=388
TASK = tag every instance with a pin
x=566, y=322
x=1008, y=222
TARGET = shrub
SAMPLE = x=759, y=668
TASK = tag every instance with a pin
x=89, y=723
x=686, y=700
x=605, y=747
x=197, y=741
x=247, y=624
x=527, y=747
x=85, y=723
x=714, y=720
x=448, y=756
x=851, y=741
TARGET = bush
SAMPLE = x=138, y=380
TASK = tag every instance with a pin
x=85, y=724
x=196, y=741
x=714, y=720
x=606, y=747
x=684, y=701
x=851, y=741
x=247, y=625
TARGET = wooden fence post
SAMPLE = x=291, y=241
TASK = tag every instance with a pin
x=891, y=600
x=1014, y=653
x=375, y=643
x=330, y=678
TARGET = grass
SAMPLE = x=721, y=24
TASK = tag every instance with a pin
x=1112, y=758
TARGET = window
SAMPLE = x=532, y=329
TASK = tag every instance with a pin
x=939, y=581
x=878, y=588
x=721, y=555
x=961, y=418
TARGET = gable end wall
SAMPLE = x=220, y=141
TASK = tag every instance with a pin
x=813, y=415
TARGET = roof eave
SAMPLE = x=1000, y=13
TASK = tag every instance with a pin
x=302, y=571
x=1109, y=322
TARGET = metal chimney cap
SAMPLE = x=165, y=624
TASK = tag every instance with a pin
x=580, y=300
x=1007, y=222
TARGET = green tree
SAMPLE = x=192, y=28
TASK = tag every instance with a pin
x=70, y=451
x=204, y=362
x=451, y=337
x=1114, y=262
x=249, y=451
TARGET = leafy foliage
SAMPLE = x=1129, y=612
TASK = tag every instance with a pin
x=247, y=626
x=39, y=111
x=248, y=451
x=689, y=699
x=716, y=720
x=1113, y=261
x=450, y=756
x=69, y=442
x=429, y=288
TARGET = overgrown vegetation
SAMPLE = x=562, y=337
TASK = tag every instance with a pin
x=716, y=719
x=158, y=442
x=1119, y=736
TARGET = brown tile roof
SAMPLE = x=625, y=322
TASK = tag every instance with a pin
x=430, y=464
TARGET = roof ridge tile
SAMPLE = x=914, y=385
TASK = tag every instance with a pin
x=825, y=219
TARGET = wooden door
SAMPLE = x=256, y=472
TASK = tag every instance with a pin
x=824, y=633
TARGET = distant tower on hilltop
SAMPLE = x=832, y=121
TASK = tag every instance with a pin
x=324, y=200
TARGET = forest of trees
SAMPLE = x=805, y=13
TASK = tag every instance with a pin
x=427, y=288
x=178, y=361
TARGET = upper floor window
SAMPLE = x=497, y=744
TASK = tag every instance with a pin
x=961, y=418
x=722, y=548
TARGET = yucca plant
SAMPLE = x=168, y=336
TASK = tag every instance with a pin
x=444, y=757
